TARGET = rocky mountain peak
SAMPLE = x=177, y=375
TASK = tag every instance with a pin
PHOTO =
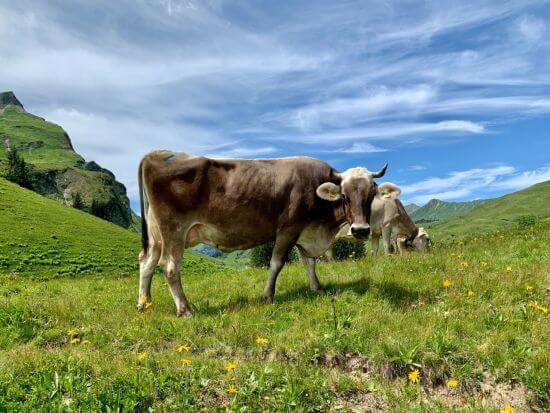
x=9, y=98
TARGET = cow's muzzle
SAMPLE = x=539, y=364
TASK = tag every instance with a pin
x=360, y=231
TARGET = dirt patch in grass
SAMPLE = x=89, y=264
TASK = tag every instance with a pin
x=362, y=402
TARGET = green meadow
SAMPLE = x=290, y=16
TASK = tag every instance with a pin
x=464, y=328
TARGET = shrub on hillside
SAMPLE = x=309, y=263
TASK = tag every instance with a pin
x=343, y=249
x=77, y=201
x=261, y=255
x=17, y=170
x=526, y=220
x=100, y=209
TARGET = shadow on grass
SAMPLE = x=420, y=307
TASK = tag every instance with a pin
x=397, y=295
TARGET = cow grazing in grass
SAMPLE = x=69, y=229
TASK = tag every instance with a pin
x=390, y=221
x=235, y=204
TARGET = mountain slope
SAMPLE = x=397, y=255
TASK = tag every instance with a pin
x=42, y=238
x=410, y=208
x=57, y=170
x=518, y=208
x=437, y=210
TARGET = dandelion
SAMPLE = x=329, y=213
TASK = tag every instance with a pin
x=452, y=383
x=85, y=342
x=529, y=287
x=75, y=340
x=232, y=389
x=185, y=361
x=447, y=283
x=508, y=268
x=231, y=366
x=471, y=293
x=72, y=332
x=183, y=347
x=509, y=409
x=414, y=376
x=266, y=398
x=539, y=307
x=262, y=341
x=142, y=356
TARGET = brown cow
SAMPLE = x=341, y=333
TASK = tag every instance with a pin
x=235, y=204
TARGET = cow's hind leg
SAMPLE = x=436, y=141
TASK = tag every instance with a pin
x=147, y=263
x=309, y=262
x=170, y=262
x=283, y=245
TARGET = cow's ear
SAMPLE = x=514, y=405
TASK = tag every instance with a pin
x=388, y=190
x=328, y=191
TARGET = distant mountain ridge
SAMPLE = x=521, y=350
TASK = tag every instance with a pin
x=437, y=210
x=57, y=170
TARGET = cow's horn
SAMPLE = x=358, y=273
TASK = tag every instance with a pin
x=380, y=173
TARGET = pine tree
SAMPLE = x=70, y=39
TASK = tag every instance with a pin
x=17, y=170
x=77, y=201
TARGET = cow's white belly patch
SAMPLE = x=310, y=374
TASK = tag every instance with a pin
x=315, y=239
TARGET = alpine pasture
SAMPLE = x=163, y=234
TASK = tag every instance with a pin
x=464, y=328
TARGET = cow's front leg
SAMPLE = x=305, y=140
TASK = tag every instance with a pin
x=309, y=262
x=171, y=267
x=386, y=240
x=283, y=245
x=375, y=244
x=401, y=245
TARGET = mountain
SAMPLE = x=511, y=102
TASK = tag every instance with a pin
x=57, y=170
x=520, y=208
x=43, y=238
x=437, y=210
x=410, y=208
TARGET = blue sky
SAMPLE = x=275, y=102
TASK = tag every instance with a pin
x=455, y=96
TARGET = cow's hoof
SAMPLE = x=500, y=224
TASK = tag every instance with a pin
x=266, y=298
x=318, y=290
x=141, y=307
x=185, y=313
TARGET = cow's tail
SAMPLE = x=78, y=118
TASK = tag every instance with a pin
x=143, y=209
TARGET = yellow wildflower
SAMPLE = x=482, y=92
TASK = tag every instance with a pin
x=452, y=383
x=539, y=307
x=267, y=398
x=447, y=283
x=232, y=389
x=509, y=409
x=85, y=342
x=142, y=356
x=414, y=376
x=148, y=305
x=464, y=264
x=185, y=361
x=75, y=340
x=508, y=268
x=72, y=332
x=183, y=347
x=231, y=366
x=262, y=341
x=471, y=293
x=529, y=287
x=483, y=263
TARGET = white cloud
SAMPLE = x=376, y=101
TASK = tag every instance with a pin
x=531, y=28
x=478, y=181
x=362, y=147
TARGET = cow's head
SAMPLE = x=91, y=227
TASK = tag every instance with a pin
x=356, y=192
x=422, y=240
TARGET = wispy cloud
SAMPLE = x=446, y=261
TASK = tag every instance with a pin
x=481, y=181
x=362, y=147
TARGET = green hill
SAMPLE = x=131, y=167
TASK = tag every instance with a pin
x=57, y=170
x=437, y=210
x=43, y=238
x=519, y=208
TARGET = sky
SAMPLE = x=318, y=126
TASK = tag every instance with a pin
x=454, y=95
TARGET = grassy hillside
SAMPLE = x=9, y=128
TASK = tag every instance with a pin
x=41, y=238
x=71, y=339
x=514, y=209
x=437, y=210
x=57, y=170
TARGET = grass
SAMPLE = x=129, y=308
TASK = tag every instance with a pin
x=350, y=347
x=496, y=214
